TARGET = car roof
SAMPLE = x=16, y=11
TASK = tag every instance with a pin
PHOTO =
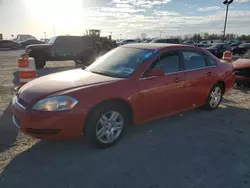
x=155, y=46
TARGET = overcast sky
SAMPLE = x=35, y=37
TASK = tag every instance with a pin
x=127, y=17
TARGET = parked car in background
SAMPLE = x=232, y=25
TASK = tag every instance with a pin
x=81, y=49
x=9, y=44
x=204, y=44
x=242, y=70
x=127, y=41
x=45, y=41
x=23, y=37
x=31, y=42
x=147, y=40
x=235, y=44
x=131, y=84
x=168, y=40
x=241, y=49
x=208, y=43
x=189, y=42
x=218, y=49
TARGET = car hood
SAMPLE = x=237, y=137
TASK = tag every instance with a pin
x=58, y=82
x=241, y=63
x=38, y=46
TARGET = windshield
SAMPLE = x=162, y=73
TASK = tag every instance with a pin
x=120, y=62
x=52, y=40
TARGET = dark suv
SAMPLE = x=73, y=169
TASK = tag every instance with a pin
x=81, y=49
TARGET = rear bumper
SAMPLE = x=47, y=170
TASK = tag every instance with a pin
x=229, y=83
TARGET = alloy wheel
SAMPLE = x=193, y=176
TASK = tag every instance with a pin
x=215, y=97
x=109, y=127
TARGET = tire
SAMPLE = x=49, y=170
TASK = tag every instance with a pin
x=209, y=105
x=40, y=62
x=97, y=123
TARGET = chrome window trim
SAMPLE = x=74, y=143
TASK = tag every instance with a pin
x=199, y=68
x=181, y=71
x=184, y=71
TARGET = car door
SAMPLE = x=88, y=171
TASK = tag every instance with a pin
x=200, y=74
x=162, y=95
x=60, y=48
x=5, y=44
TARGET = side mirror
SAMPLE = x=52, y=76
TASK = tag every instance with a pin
x=156, y=72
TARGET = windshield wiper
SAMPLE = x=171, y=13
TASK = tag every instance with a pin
x=105, y=74
x=101, y=73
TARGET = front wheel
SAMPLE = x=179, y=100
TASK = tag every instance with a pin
x=106, y=125
x=214, y=98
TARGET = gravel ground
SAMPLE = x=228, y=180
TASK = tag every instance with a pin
x=196, y=149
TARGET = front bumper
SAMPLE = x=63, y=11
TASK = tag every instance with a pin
x=49, y=125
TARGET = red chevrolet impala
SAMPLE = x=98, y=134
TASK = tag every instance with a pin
x=131, y=84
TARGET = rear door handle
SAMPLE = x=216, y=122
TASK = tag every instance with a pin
x=177, y=80
x=209, y=73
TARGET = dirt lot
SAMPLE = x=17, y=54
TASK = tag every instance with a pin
x=197, y=149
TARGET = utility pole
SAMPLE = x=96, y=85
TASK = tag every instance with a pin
x=54, y=29
x=45, y=37
x=227, y=3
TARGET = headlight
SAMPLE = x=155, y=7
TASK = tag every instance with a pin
x=58, y=103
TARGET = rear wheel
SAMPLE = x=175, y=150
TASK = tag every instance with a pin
x=105, y=126
x=214, y=98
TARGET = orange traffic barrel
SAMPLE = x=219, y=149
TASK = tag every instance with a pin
x=27, y=69
x=227, y=56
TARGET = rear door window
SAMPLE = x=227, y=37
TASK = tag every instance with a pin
x=193, y=60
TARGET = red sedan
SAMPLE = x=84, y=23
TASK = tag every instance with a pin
x=131, y=84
